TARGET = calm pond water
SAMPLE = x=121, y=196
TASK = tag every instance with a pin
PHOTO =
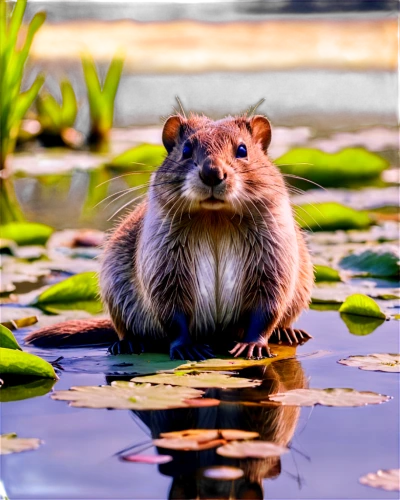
x=330, y=448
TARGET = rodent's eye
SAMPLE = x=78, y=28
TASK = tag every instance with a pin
x=241, y=151
x=187, y=150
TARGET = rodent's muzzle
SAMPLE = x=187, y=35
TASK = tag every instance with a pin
x=211, y=174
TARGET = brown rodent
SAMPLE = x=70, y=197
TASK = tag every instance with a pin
x=212, y=256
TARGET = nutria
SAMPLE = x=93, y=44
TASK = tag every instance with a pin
x=212, y=256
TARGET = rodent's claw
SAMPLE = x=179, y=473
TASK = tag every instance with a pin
x=126, y=347
x=241, y=346
x=293, y=335
x=191, y=352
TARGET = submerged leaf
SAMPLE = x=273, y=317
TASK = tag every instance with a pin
x=388, y=480
x=200, y=380
x=7, y=339
x=325, y=273
x=361, y=305
x=203, y=435
x=10, y=443
x=186, y=444
x=330, y=216
x=328, y=397
x=128, y=396
x=251, y=449
x=14, y=362
x=374, y=362
x=148, y=459
x=222, y=473
x=281, y=351
x=77, y=292
x=361, y=325
x=26, y=233
x=377, y=262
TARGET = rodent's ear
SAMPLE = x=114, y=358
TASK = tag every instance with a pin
x=261, y=130
x=171, y=131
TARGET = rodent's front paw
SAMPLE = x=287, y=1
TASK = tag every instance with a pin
x=241, y=346
x=191, y=352
x=290, y=335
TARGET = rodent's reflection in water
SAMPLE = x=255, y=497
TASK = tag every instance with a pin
x=239, y=409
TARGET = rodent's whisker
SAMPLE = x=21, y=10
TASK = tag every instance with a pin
x=126, y=205
x=118, y=194
x=124, y=175
x=304, y=179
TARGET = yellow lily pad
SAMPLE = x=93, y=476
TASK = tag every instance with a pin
x=281, y=351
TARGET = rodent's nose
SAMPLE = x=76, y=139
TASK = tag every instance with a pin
x=211, y=175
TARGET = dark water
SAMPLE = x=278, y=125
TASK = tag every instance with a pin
x=330, y=448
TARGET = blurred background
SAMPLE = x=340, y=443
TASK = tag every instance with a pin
x=327, y=72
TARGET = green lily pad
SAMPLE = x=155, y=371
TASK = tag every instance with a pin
x=14, y=362
x=326, y=273
x=199, y=380
x=26, y=233
x=347, y=166
x=129, y=396
x=33, y=389
x=10, y=443
x=330, y=216
x=381, y=262
x=329, y=397
x=361, y=325
x=77, y=292
x=141, y=157
x=7, y=339
x=361, y=305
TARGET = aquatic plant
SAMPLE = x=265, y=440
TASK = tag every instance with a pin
x=14, y=103
x=57, y=119
x=101, y=97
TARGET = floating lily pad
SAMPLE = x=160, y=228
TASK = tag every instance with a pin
x=333, y=169
x=7, y=339
x=27, y=390
x=128, y=396
x=77, y=292
x=328, y=397
x=148, y=459
x=15, y=362
x=374, y=362
x=361, y=305
x=330, y=216
x=281, y=351
x=10, y=443
x=252, y=449
x=361, y=325
x=15, y=324
x=26, y=233
x=377, y=262
x=386, y=479
x=200, y=380
x=326, y=273
x=142, y=157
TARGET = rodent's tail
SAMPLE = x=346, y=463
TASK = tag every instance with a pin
x=74, y=333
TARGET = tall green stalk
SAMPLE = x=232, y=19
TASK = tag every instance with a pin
x=15, y=43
